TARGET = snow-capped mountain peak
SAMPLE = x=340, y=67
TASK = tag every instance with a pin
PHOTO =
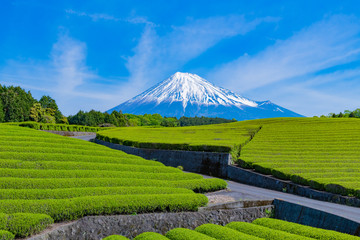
x=187, y=94
x=191, y=88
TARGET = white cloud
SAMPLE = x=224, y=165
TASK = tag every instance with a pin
x=64, y=76
x=328, y=43
x=106, y=17
x=156, y=57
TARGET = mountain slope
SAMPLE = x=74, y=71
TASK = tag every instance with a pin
x=186, y=94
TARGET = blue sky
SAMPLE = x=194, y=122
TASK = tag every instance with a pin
x=302, y=55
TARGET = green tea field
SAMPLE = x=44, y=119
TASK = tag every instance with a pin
x=261, y=228
x=320, y=152
x=46, y=178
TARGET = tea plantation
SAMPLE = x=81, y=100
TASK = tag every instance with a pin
x=262, y=228
x=46, y=178
x=320, y=152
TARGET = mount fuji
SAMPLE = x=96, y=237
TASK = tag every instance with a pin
x=186, y=94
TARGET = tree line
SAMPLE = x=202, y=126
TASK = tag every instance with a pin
x=18, y=105
x=346, y=114
x=119, y=119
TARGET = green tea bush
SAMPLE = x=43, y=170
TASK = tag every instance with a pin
x=186, y=234
x=115, y=237
x=35, y=173
x=62, y=193
x=197, y=185
x=302, y=230
x=223, y=233
x=263, y=232
x=24, y=224
x=150, y=236
x=6, y=235
x=74, y=208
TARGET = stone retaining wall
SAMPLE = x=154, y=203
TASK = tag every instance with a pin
x=98, y=227
x=308, y=216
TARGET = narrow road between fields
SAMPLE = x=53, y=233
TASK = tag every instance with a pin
x=244, y=192
x=352, y=213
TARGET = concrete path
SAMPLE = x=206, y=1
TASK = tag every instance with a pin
x=352, y=213
x=86, y=137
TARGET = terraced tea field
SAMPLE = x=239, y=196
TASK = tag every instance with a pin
x=42, y=174
x=321, y=153
x=262, y=228
x=212, y=138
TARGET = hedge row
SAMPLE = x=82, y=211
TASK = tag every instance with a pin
x=115, y=237
x=35, y=173
x=24, y=224
x=62, y=158
x=150, y=236
x=6, y=235
x=165, y=146
x=197, y=185
x=303, y=230
x=57, y=165
x=61, y=127
x=186, y=234
x=264, y=232
x=63, y=193
x=223, y=233
x=74, y=208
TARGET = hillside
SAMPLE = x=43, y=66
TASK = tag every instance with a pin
x=65, y=178
x=319, y=152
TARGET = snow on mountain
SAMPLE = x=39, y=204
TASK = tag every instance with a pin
x=186, y=94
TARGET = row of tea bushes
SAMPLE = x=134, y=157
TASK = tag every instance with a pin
x=262, y=228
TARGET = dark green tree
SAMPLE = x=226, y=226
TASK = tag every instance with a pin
x=16, y=103
x=2, y=114
x=48, y=102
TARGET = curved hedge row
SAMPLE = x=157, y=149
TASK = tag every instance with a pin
x=56, y=165
x=186, y=234
x=59, y=157
x=263, y=232
x=262, y=228
x=197, y=185
x=35, y=173
x=24, y=224
x=223, y=233
x=150, y=236
x=303, y=230
x=164, y=146
x=74, y=208
x=60, y=127
x=62, y=193
x=6, y=235
x=115, y=237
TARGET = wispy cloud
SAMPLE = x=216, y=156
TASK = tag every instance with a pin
x=63, y=76
x=106, y=17
x=157, y=56
x=328, y=43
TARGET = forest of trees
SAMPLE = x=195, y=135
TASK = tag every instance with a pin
x=17, y=105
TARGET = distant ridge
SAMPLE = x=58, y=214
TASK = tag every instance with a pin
x=186, y=94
